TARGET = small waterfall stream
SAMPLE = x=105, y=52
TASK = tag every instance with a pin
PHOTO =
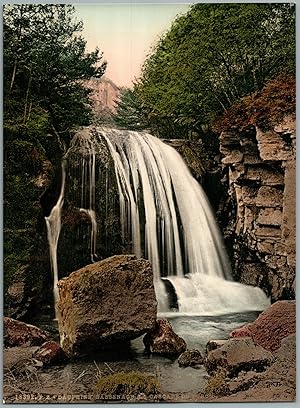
x=164, y=213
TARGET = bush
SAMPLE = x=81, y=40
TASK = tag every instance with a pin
x=265, y=109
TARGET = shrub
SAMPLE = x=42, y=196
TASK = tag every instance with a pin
x=265, y=109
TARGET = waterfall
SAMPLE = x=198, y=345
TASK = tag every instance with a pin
x=166, y=216
x=53, y=223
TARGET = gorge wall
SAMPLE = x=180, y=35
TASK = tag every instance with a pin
x=258, y=214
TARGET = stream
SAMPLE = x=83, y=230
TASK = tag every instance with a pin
x=82, y=373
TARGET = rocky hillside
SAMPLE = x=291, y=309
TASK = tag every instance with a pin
x=104, y=95
x=258, y=160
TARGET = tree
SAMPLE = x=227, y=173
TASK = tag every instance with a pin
x=129, y=112
x=210, y=58
x=45, y=65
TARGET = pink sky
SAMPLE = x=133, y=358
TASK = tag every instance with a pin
x=125, y=33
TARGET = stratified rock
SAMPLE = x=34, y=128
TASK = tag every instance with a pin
x=107, y=303
x=163, y=340
x=191, y=358
x=271, y=326
x=50, y=353
x=238, y=355
x=259, y=215
x=18, y=333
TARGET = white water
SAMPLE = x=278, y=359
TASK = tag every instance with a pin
x=157, y=192
x=53, y=223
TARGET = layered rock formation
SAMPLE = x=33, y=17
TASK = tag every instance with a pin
x=260, y=173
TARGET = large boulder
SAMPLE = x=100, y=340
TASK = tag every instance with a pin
x=238, y=355
x=163, y=340
x=277, y=383
x=106, y=304
x=274, y=324
x=18, y=333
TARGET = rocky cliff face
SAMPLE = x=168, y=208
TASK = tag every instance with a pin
x=104, y=95
x=259, y=215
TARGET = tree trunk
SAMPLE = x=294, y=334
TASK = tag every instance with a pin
x=27, y=96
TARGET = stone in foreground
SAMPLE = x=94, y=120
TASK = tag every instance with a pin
x=162, y=340
x=236, y=355
x=50, y=353
x=106, y=304
x=18, y=333
x=272, y=326
x=214, y=344
x=191, y=358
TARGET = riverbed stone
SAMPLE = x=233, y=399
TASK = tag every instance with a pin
x=214, y=344
x=106, y=304
x=272, y=326
x=191, y=358
x=163, y=340
x=238, y=354
x=50, y=353
x=277, y=383
x=17, y=333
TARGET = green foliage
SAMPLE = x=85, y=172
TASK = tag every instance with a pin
x=129, y=113
x=45, y=64
x=128, y=385
x=210, y=58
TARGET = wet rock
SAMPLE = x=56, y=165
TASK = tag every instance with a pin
x=50, y=353
x=106, y=304
x=163, y=340
x=214, y=344
x=18, y=333
x=191, y=358
x=271, y=326
x=238, y=354
x=235, y=157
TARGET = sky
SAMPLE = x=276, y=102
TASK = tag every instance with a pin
x=125, y=34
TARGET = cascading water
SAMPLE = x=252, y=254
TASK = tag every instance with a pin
x=166, y=216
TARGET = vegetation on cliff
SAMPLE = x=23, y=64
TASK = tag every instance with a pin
x=45, y=64
x=207, y=61
x=265, y=108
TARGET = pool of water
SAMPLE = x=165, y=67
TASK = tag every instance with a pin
x=196, y=330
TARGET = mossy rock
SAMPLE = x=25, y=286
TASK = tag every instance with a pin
x=128, y=386
x=217, y=385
